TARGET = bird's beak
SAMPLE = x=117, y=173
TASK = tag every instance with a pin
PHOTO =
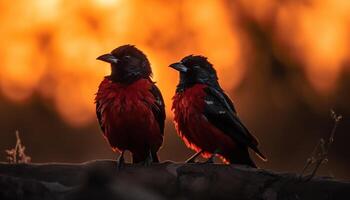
x=179, y=67
x=108, y=58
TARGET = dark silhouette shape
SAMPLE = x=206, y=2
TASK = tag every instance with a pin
x=130, y=107
x=205, y=117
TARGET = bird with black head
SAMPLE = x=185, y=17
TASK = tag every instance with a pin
x=205, y=117
x=130, y=107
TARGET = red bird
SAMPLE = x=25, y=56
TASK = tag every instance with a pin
x=130, y=107
x=205, y=117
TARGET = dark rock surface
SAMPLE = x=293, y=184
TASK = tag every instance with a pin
x=100, y=180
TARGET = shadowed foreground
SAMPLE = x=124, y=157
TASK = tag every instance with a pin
x=100, y=180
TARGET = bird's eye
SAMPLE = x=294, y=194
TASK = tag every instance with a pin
x=127, y=57
x=196, y=67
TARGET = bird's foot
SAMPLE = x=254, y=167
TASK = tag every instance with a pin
x=193, y=158
x=210, y=160
x=212, y=157
x=148, y=161
x=120, y=161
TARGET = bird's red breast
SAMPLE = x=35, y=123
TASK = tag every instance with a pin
x=192, y=125
x=126, y=115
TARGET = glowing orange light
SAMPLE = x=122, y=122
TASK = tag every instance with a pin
x=318, y=32
x=51, y=47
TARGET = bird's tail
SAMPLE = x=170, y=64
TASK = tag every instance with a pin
x=241, y=157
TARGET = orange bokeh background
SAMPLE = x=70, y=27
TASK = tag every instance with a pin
x=50, y=46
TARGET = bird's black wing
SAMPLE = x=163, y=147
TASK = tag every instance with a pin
x=99, y=116
x=159, y=108
x=219, y=110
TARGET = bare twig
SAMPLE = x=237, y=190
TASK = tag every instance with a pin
x=17, y=154
x=311, y=160
x=319, y=155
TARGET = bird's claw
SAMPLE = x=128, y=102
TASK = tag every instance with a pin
x=212, y=157
x=193, y=158
x=210, y=160
x=120, y=161
x=148, y=161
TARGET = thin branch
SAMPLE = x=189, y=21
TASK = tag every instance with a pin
x=319, y=155
x=17, y=154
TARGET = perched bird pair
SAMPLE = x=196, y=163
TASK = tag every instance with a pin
x=131, y=114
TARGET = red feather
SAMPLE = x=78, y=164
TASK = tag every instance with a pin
x=127, y=117
x=193, y=127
